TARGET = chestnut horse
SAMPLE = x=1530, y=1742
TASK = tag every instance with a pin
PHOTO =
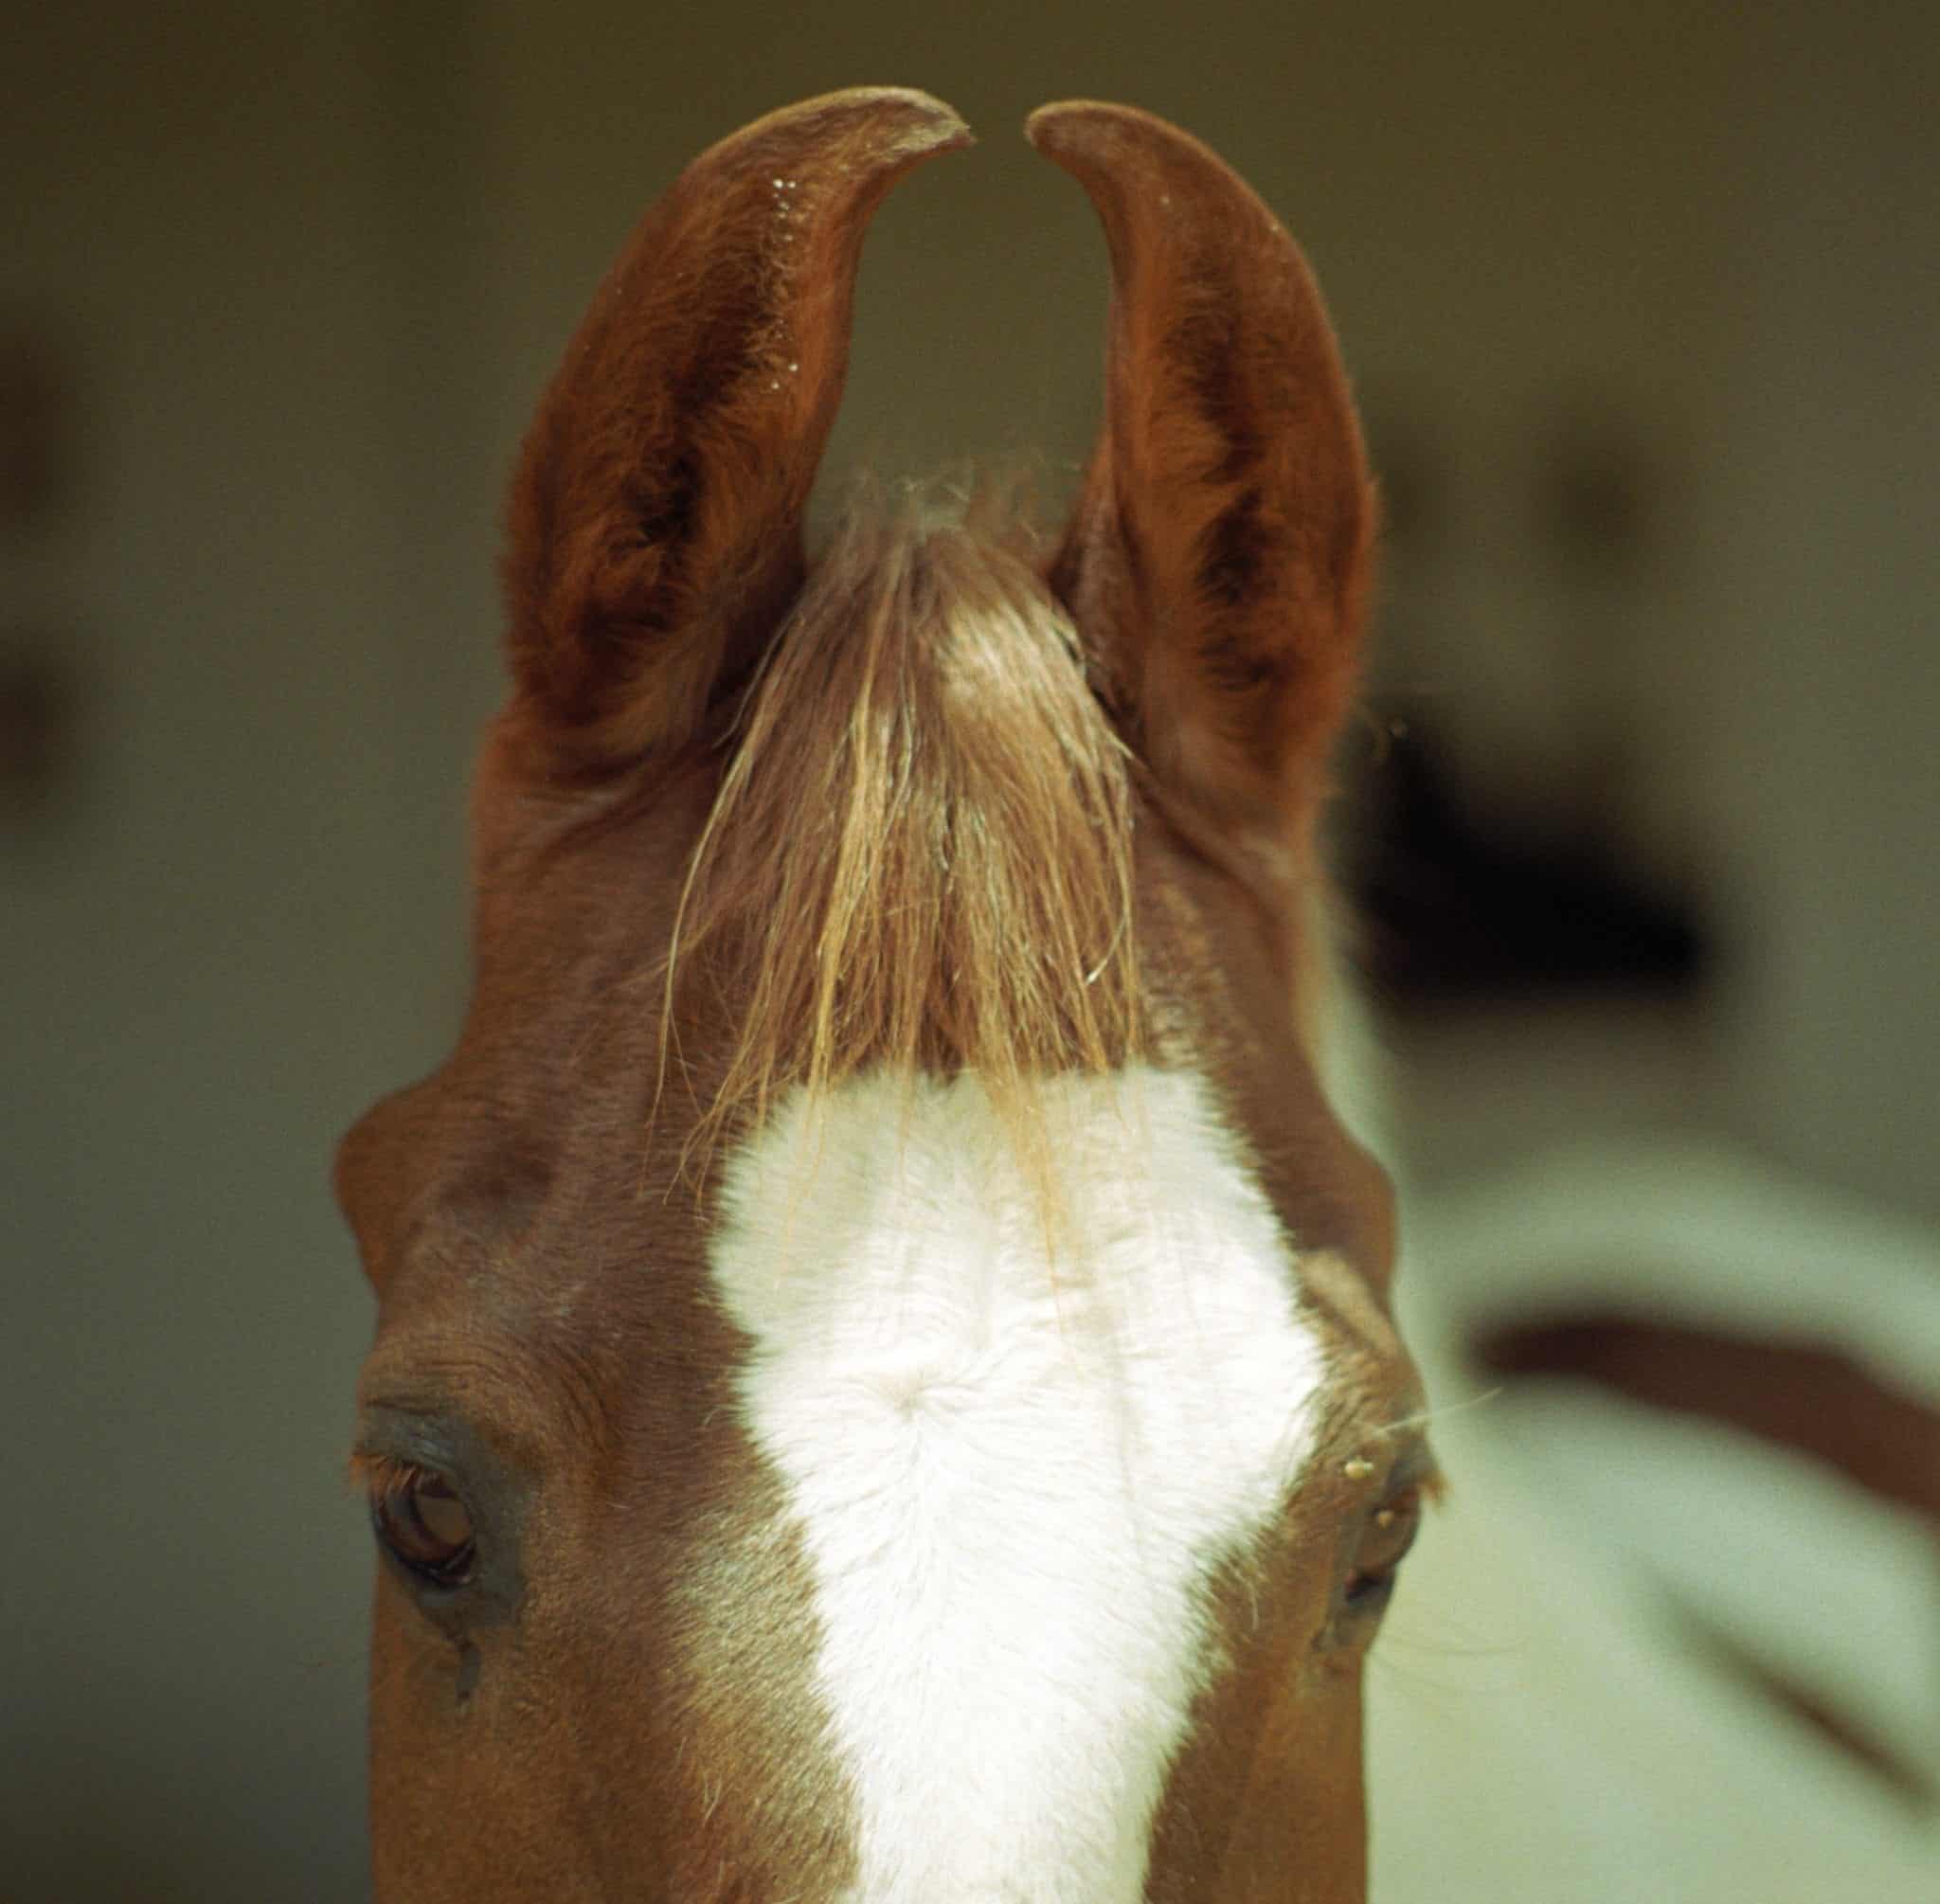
x=884, y=1387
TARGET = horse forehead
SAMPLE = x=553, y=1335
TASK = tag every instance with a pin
x=1018, y=1440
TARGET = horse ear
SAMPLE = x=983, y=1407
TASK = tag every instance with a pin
x=655, y=516
x=1219, y=555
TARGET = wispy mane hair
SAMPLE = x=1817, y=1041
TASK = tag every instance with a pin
x=919, y=855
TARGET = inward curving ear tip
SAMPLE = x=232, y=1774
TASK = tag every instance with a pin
x=910, y=123
x=1072, y=126
x=1093, y=139
x=1132, y=161
x=857, y=141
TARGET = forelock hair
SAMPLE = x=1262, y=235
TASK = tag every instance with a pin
x=919, y=855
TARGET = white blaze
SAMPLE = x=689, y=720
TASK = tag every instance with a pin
x=1015, y=1476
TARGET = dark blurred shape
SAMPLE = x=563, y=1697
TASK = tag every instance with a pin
x=37, y=422
x=39, y=727
x=1908, y=1782
x=1599, y=485
x=1457, y=913
x=1810, y=1398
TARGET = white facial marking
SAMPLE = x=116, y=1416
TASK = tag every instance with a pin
x=1015, y=1476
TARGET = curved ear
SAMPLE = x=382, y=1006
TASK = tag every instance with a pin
x=1219, y=555
x=655, y=516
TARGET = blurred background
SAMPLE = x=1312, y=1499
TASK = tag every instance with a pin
x=1641, y=304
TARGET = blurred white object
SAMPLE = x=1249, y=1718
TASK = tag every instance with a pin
x=1541, y=1725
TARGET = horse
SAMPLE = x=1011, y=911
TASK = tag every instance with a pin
x=885, y=1387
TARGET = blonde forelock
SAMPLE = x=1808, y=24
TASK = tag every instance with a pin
x=920, y=854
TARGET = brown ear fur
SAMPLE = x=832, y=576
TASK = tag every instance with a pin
x=654, y=519
x=1219, y=555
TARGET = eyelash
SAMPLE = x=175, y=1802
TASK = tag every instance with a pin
x=387, y=1475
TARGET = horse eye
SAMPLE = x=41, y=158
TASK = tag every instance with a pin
x=1389, y=1534
x=425, y=1525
